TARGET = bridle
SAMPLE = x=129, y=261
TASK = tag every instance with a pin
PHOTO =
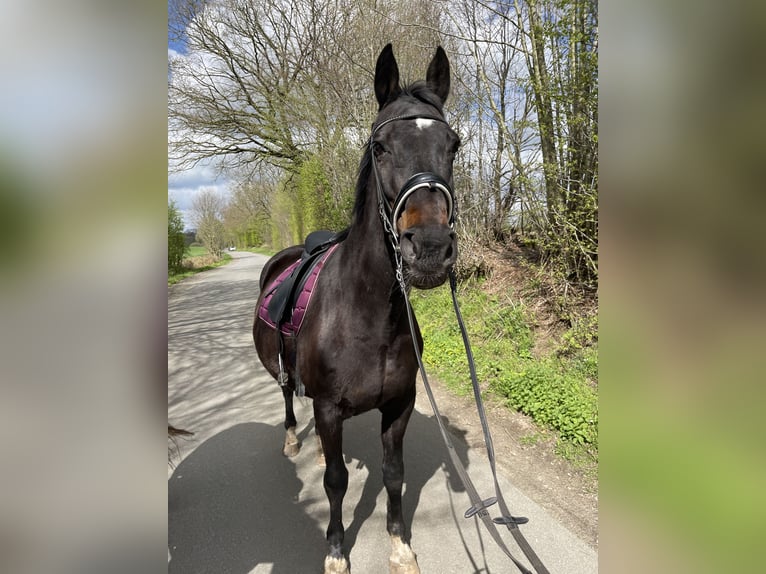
x=389, y=214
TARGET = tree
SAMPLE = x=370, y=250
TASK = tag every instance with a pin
x=176, y=245
x=566, y=94
x=233, y=99
x=286, y=84
x=246, y=216
x=532, y=73
x=496, y=113
x=277, y=81
x=207, y=216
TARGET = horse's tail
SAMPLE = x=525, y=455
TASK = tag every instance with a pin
x=173, y=431
x=173, y=450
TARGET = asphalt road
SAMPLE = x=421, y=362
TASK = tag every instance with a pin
x=237, y=505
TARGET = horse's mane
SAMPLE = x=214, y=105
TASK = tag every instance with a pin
x=418, y=91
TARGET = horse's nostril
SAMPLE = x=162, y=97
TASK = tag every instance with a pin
x=409, y=237
x=448, y=253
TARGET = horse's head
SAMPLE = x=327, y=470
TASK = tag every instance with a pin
x=413, y=149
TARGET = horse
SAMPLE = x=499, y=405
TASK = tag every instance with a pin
x=355, y=350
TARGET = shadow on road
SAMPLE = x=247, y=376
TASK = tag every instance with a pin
x=232, y=505
x=233, y=501
x=424, y=455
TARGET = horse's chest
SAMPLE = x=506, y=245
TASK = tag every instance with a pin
x=363, y=375
x=398, y=371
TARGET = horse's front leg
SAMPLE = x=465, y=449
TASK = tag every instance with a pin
x=329, y=426
x=396, y=415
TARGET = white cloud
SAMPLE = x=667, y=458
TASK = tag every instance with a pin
x=184, y=198
x=184, y=186
x=202, y=174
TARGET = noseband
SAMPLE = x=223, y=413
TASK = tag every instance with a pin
x=390, y=214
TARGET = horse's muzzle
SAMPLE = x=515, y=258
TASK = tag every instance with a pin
x=429, y=252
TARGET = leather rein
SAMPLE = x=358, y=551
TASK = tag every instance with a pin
x=389, y=215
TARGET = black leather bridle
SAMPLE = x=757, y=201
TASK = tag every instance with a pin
x=390, y=213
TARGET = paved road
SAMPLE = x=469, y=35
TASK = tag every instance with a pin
x=236, y=505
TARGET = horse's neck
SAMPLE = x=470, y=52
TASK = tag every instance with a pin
x=367, y=247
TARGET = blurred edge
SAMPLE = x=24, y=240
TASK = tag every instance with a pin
x=82, y=173
x=682, y=307
x=83, y=291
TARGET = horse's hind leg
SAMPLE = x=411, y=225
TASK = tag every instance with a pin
x=292, y=445
x=329, y=426
x=393, y=424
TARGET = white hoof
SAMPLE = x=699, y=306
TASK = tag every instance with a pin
x=292, y=445
x=403, y=559
x=335, y=565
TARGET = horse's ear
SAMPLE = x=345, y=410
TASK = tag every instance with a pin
x=438, y=74
x=386, y=77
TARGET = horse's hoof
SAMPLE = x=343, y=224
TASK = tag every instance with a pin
x=399, y=568
x=335, y=565
x=403, y=560
x=292, y=444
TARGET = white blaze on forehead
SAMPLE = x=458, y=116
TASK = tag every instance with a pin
x=423, y=123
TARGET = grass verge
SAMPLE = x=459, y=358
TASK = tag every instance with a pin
x=261, y=251
x=199, y=261
x=558, y=390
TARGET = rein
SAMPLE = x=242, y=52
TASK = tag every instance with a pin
x=479, y=507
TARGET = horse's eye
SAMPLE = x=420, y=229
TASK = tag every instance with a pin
x=379, y=149
x=455, y=146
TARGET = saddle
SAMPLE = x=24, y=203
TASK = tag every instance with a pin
x=284, y=305
x=286, y=302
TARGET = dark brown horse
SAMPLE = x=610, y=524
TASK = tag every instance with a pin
x=355, y=351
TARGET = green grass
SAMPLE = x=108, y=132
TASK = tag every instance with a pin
x=197, y=251
x=261, y=251
x=557, y=390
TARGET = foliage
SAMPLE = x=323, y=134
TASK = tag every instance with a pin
x=197, y=251
x=556, y=391
x=282, y=224
x=567, y=240
x=196, y=264
x=246, y=214
x=315, y=200
x=583, y=334
x=531, y=166
x=287, y=121
x=176, y=245
x=207, y=209
x=307, y=202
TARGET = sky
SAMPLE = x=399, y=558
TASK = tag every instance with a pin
x=183, y=186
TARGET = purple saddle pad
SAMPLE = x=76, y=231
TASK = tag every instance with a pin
x=293, y=326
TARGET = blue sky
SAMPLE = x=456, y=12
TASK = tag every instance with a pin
x=185, y=185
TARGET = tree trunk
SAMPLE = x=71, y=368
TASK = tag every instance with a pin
x=541, y=86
